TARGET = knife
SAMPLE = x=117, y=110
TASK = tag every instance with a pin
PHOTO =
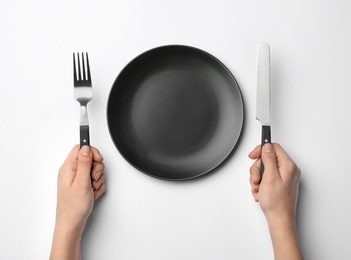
x=263, y=98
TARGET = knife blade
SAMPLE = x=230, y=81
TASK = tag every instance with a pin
x=263, y=94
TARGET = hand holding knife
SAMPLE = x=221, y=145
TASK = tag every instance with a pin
x=263, y=109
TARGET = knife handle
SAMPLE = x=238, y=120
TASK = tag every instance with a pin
x=266, y=138
x=84, y=135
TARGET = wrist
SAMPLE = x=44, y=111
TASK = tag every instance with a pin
x=280, y=218
x=70, y=227
x=282, y=227
x=73, y=223
x=283, y=230
x=66, y=241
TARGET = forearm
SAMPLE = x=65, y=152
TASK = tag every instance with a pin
x=284, y=238
x=66, y=243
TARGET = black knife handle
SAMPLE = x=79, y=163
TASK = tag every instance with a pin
x=84, y=135
x=266, y=138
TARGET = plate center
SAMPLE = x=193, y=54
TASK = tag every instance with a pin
x=174, y=112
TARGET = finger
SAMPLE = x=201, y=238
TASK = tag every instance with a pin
x=255, y=168
x=285, y=163
x=255, y=178
x=255, y=153
x=84, y=165
x=68, y=170
x=255, y=189
x=100, y=191
x=281, y=154
x=254, y=192
x=97, y=156
x=72, y=157
x=97, y=171
x=97, y=184
x=269, y=160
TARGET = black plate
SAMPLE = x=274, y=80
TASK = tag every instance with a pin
x=175, y=112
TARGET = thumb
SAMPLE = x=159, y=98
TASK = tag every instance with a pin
x=269, y=160
x=85, y=161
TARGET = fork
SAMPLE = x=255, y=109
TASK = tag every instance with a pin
x=83, y=93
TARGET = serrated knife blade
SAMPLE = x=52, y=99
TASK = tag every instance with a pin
x=263, y=98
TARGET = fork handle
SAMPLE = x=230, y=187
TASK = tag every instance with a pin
x=84, y=135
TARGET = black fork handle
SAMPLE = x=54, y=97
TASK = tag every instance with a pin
x=266, y=138
x=84, y=135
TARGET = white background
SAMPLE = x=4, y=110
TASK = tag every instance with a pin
x=142, y=218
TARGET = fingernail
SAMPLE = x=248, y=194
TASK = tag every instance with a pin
x=267, y=148
x=85, y=150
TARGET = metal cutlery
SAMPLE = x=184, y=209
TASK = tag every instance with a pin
x=263, y=108
x=83, y=93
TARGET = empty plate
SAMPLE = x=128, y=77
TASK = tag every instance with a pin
x=175, y=112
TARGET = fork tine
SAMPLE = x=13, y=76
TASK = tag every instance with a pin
x=83, y=67
x=88, y=67
x=79, y=71
x=74, y=69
